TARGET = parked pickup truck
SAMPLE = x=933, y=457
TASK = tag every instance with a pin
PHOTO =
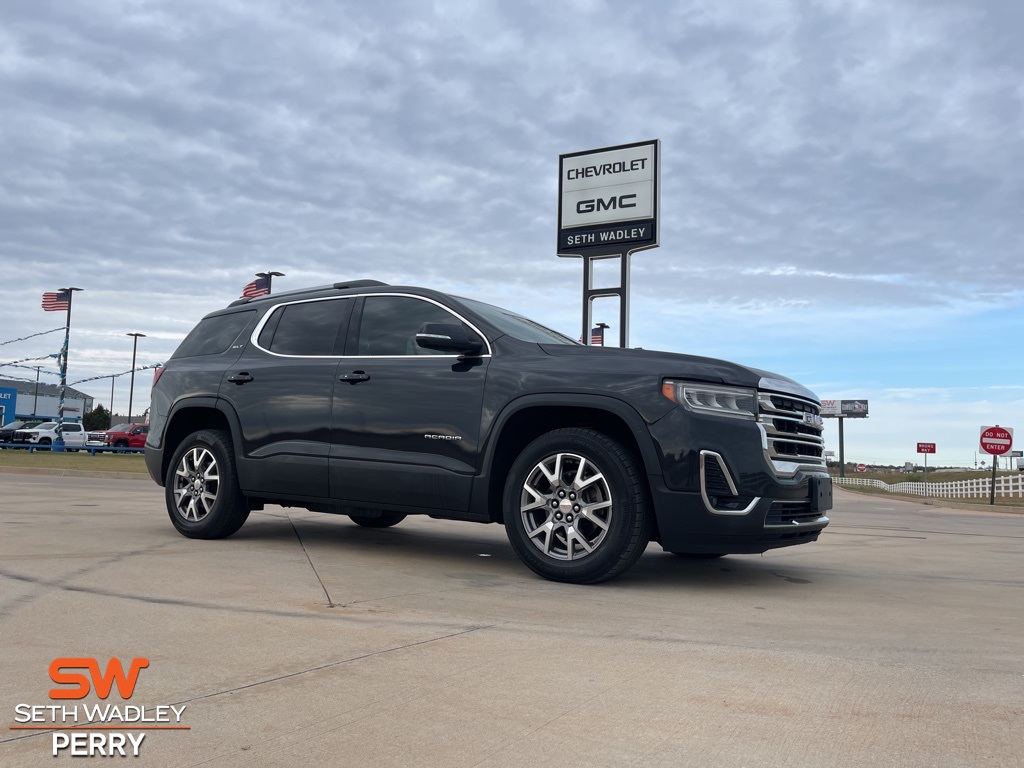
x=127, y=436
x=46, y=434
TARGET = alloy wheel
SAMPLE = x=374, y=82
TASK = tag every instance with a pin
x=196, y=484
x=566, y=506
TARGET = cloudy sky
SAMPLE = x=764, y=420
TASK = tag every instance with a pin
x=841, y=180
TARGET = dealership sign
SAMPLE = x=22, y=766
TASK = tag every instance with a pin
x=608, y=200
x=849, y=409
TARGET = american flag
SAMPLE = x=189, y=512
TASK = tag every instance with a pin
x=57, y=301
x=258, y=287
x=597, y=337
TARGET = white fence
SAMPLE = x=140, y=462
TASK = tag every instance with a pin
x=1007, y=486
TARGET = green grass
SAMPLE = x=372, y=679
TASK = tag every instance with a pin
x=101, y=462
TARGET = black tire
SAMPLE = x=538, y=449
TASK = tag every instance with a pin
x=386, y=520
x=700, y=555
x=600, y=523
x=204, y=500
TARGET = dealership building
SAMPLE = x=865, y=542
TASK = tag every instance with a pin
x=28, y=400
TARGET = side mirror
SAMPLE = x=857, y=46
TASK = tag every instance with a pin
x=447, y=337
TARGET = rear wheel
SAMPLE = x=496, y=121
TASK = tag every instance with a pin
x=385, y=520
x=575, y=507
x=204, y=500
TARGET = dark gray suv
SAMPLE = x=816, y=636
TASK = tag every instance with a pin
x=378, y=402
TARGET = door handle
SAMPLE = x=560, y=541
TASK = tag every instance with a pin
x=240, y=378
x=354, y=378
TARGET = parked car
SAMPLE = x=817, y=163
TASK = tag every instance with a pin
x=127, y=436
x=46, y=433
x=7, y=431
x=378, y=402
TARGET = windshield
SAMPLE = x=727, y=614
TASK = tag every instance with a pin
x=47, y=425
x=516, y=326
x=120, y=428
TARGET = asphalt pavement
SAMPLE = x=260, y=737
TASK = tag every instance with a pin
x=895, y=640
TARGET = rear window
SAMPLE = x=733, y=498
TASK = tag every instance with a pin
x=214, y=334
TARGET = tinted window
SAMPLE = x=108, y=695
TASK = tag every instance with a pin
x=214, y=335
x=390, y=324
x=308, y=329
x=517, y=326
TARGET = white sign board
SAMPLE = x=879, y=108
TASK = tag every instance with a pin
x=608, y=200
x=608, y=187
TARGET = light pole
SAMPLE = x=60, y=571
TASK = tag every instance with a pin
x=602, y=326
x=35, y=401
x=112, y=400
x=269, y=277
x=131, y=388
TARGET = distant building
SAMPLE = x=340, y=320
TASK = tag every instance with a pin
x=19, y=400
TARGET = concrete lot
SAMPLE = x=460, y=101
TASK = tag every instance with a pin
x=895, y=640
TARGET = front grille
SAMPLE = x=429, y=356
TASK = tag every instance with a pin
x=788, y=513
x=792, y=427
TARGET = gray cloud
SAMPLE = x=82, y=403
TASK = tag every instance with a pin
x=825, y=157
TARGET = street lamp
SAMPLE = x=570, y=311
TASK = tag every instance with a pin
x=35, y=401
x=131, y=388
x=269, y=277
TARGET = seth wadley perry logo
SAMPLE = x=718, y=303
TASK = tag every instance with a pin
x=96, y=730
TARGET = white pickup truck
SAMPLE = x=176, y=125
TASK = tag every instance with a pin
x=46, y=434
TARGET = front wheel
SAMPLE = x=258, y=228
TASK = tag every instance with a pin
x=575, y=507
x=204, y=499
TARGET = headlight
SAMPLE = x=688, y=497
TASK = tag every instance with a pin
x=734, y=402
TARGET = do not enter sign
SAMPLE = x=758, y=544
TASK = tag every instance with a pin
x=996, y=440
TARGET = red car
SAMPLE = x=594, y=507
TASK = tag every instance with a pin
x=127, y=436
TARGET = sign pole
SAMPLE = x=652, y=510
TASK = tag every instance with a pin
x=842, y=451
x=926, y=474
x=992, y=490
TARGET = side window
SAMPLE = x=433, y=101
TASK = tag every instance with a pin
x=214, y=335
x=308, y=329
x=390, y=323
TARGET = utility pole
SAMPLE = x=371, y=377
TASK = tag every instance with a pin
x=35, y=401
x=131, y=388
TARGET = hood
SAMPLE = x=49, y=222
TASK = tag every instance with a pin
x=675, y=365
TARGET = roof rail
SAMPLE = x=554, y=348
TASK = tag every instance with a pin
x=358, y=284
x=341, y=285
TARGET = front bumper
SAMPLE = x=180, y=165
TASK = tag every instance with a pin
x=722, y=489
x=686, y=525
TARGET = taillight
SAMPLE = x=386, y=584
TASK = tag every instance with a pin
x=156, y=374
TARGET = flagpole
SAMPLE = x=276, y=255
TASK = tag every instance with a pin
x=58, y=444
x=269, y=278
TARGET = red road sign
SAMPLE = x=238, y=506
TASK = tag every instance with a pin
x=997, y=440
x=862, y=468
x=926, y=447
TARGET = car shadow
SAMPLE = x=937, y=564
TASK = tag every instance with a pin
x=485, y=546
